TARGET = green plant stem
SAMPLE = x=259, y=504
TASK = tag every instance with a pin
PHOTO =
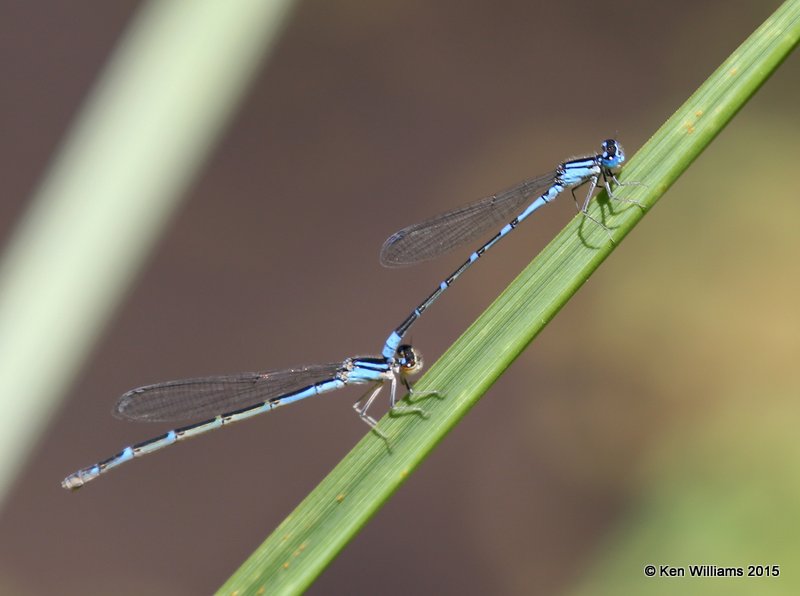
x=328, y=518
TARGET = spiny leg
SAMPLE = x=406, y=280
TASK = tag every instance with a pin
x=611, y=195
x=414, y=393
x=362, y=411
x=593, y=181
x=395, y=407
x=585, y=208
x=626, y=183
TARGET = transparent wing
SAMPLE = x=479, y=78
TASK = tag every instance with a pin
x=437, y=235
x=206, y=397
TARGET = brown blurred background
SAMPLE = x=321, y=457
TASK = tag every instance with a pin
x=654, y=421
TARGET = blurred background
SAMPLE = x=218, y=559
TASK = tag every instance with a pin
x=653, y=421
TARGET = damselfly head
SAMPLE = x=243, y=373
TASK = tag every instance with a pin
x=613, y=155
x=409, y=359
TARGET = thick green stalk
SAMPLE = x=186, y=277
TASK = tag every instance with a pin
x=306, y=542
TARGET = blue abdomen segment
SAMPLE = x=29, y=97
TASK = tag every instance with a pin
x=438, y=234
x=392, y=343
x=352, y=371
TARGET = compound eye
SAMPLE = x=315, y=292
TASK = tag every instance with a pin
x=409, y=359
x=613, y=156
